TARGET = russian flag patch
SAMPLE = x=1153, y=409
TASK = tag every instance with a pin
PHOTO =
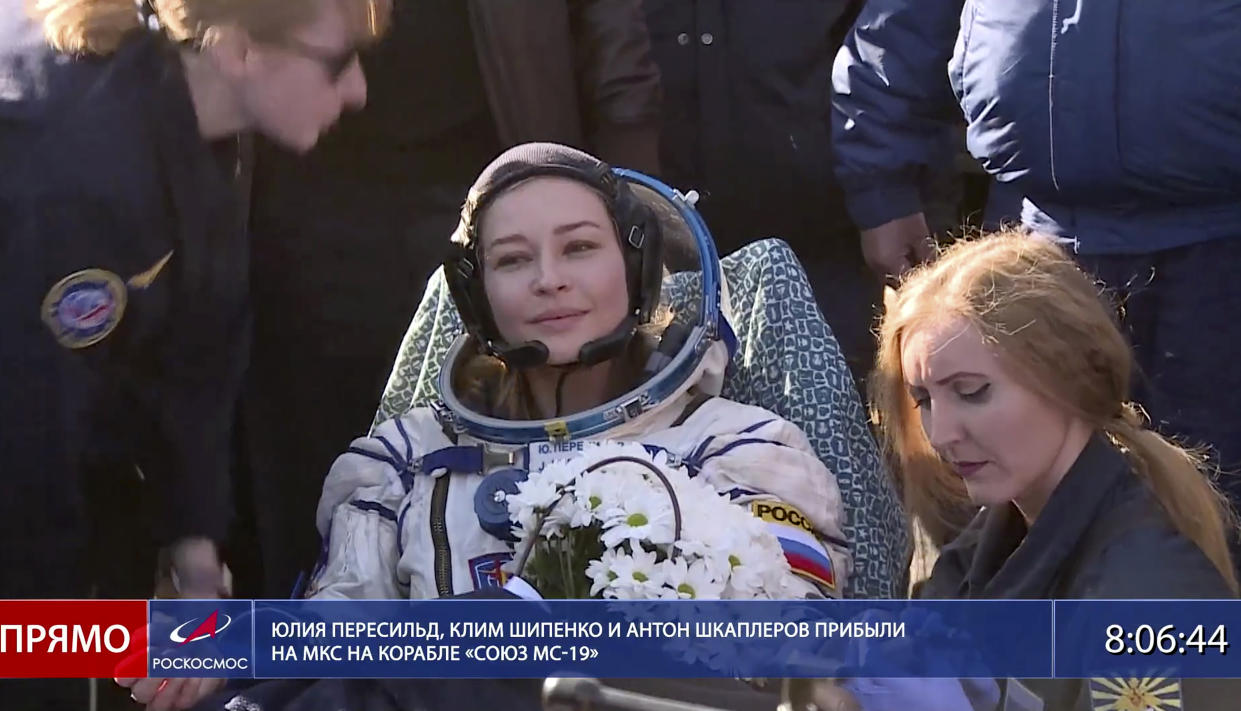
x=805, y=552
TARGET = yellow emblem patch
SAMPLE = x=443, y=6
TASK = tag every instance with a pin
x=557, y=430
x=84, y=307
x=776, y=512
x=144, y=279
x=1135, y=694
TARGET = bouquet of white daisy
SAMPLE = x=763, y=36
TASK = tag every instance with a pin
x=620, y=523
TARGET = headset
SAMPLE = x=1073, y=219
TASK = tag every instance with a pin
x=636, y=225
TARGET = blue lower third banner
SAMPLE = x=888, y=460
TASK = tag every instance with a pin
x=528, y=639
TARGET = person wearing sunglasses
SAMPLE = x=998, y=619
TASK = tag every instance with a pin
x=123, y=281
x=335, y=62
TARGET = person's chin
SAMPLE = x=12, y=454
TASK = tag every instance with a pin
x=562, y=348
x=300, y=142
x=564, y=351
x=562, y=356
x=981, y=494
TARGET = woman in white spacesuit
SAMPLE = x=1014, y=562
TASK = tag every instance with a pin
x=561, y=272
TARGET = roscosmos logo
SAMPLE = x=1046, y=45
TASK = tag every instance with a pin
x=200, y=638
x=209, y=627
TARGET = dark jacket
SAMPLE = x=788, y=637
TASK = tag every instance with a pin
x=571, y=71
x=104, y=169
x=747, y=116
x=1118, y=121
x=1101, y=535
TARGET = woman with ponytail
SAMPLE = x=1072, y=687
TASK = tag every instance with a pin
x=123, y=275
x=1001, y=382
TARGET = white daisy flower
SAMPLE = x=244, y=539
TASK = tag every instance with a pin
x=570, y=514
x=601, y=572
x=692, y=581
x=637, y=574
x=527, y=520
x=599, y=495
x=644, y=516
x=746, y=567
x=723, y=551
x=559, y=473
x=536, y=492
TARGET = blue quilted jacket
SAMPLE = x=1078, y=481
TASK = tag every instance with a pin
x=1119, y=120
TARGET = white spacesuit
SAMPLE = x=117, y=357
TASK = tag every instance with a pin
x=410, y=511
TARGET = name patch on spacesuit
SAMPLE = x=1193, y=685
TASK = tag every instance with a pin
x=780, y=513
x=487, y=571
x=540, y=454
x=805, y=552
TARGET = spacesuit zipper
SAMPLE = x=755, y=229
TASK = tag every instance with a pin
x=439, y=537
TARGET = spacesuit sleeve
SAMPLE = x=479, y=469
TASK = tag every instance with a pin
x=770, y=468
x=357, y=519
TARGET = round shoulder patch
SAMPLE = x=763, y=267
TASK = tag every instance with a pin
x=84, y=307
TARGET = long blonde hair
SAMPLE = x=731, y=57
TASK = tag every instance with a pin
x=100, y=26
x=1045, y=319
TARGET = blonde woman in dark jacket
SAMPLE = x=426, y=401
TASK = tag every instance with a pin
x=1002, y=379
x=123, y=282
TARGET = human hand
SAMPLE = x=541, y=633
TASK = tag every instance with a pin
x=197, y=572
x=828, y=695
x=170, y=694
x=905, y=694
x=895, y=247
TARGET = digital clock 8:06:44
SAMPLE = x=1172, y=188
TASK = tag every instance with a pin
x=1145, y=639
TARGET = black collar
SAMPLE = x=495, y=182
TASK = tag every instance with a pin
x=1013, y=562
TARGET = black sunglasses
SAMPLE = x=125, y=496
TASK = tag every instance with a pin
x=335, y=64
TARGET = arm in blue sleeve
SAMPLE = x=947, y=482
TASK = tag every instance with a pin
x=924, y=694
x=892, y=106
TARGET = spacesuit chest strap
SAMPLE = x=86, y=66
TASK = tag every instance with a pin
x=468, y=459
